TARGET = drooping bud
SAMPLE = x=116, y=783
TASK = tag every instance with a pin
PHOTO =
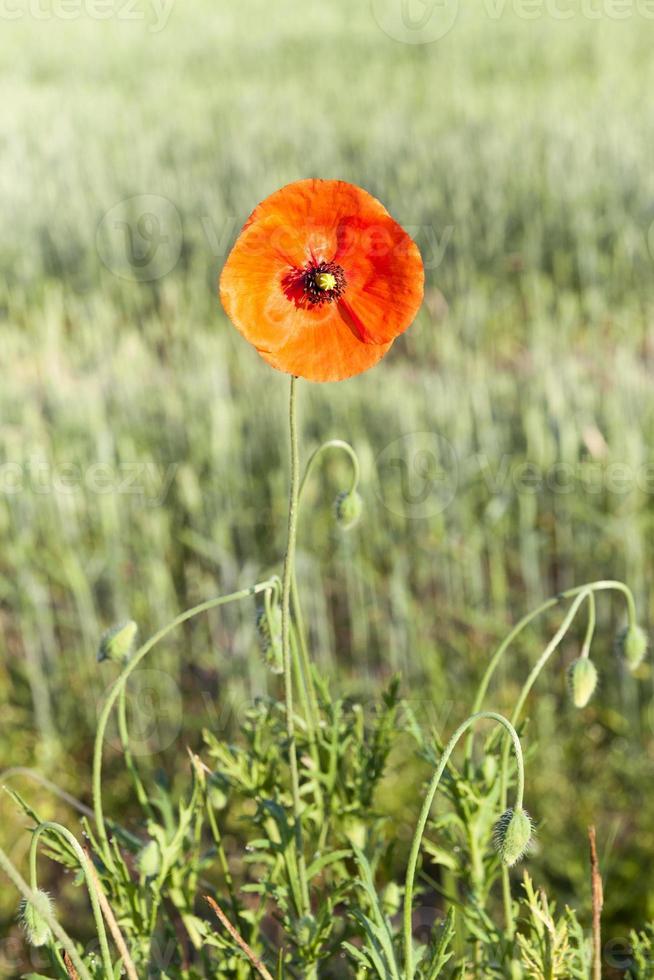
x=512, y=835
x=117, y=643
x=582, y=676
x=269, y=628
x=36, y=928
x=149, y=859
x=632, y=642
x=348, y=507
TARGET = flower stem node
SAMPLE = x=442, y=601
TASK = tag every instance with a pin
x=512, y=835
x=633, y=643
x=36, y=928
x=117, y=643
x=583, y=681
x=348, y=508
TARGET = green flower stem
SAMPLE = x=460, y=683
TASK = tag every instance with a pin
x=590, y=627
x=602, y=585
x=426, y=809
x=517, y=711
x=317, y=453
x=304, y=655
x=343, y=446
x=287, y=580
x=123, y=731
x=119, y=685
x=28, y=894
x=91, y=884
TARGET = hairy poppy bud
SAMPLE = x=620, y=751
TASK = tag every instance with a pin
x=36, y=928
x=269, y=628
x=348, y=507
x=512, y=835
x=149, y=859
x=117, y=643
x=633, y=643
x=583, y=681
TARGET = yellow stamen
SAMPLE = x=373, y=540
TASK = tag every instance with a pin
x=325, y=280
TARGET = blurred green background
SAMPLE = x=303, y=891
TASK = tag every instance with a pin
x=505, y=441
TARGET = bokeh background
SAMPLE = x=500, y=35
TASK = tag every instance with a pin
x=505, y=442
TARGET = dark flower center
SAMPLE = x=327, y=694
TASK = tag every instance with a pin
x=323, y=282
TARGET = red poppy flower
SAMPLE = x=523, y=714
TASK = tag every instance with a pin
x=322, y=280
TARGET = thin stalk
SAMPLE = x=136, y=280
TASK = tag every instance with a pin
x=28, y=894
x=123, y=731
x=114, y=928
x=315, y=455
x=517, y=711
x=339, y=444
x=287, y=578
x=119, y=685
x=601, y=585
x=426, y=809
x=304, y=654
x=590, y=626
x=92, y=883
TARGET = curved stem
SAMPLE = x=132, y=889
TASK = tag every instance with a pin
x=517, y=711
x=315, y=455
x=425, y=811
x=28, y=894
x=91, y=882
x=119, y=685
x=287, y=579
x=345, y=447
x=601, y=585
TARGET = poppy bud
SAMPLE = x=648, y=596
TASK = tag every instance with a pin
x=632, y=642
x=149, y=859
x=36, y=928
x=512, y=835
x=583, y=681
x=347, y=508
x=117, y=643
x=269, y=628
